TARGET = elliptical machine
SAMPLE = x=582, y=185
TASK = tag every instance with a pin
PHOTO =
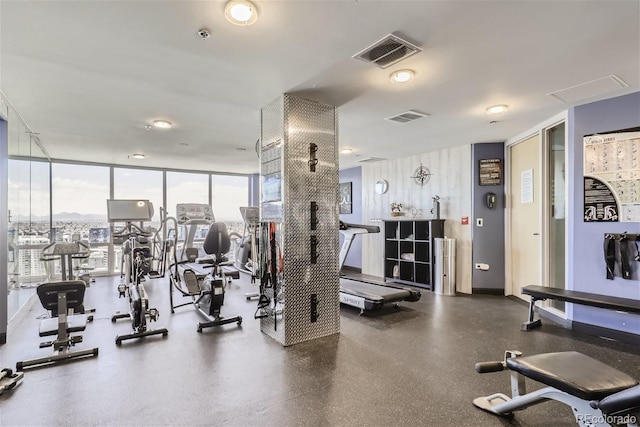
x=136, y=265
x=247, y=254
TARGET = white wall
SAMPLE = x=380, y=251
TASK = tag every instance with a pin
x=451, y=180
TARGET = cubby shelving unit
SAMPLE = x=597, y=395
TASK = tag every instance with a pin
x=408, y=249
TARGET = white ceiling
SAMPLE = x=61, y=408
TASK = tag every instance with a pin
x=88, y=75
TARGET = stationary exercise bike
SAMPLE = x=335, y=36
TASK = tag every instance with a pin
x=204, y=280
x=598, y=394
x=136, y=265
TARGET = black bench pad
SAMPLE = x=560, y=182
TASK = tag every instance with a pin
x=584, y=298
x=573, y=373
x=75, y=323
x=621, y=403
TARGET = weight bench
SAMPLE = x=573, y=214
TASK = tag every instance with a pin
x=541, y=293
x=59, y=298
x=598, y=394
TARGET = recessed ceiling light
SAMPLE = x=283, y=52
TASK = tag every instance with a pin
x=346, y=150
x=162, y=124
x=497, y=109
x=402, y=76
x=241, y=12
x=139, y=156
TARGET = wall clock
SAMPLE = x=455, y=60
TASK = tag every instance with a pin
x=422, y=175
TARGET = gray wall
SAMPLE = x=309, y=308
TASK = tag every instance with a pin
x=587, y=266
x=353, y=175
x=488, y=240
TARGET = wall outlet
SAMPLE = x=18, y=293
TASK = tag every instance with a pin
x=482, y=266
x=479, y=222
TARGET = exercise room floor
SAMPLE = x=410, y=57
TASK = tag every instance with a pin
x=412, y=366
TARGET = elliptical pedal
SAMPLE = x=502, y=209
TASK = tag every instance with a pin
x=191, y=281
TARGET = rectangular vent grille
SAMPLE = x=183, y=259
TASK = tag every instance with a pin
x=590, y=89
x=388, y=51
x=406, y=117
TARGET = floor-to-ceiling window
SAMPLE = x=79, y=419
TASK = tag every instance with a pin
x=60, y=201
x=144, y=184
x=228, y=194
x=79, y=196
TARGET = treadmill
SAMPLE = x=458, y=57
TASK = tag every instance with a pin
x=368, y=294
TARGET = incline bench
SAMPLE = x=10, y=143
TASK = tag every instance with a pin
x=594, y=300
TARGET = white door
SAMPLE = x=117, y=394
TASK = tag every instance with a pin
x=526, y=190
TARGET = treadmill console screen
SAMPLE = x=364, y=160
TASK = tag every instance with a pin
x=129, y=210
x=194, y=212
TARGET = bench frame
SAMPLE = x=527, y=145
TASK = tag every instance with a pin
x=586, y=414
x=541, y=293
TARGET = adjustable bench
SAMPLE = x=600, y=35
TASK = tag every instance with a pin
x=60, y=298
x=598, y=394
x=541, y=293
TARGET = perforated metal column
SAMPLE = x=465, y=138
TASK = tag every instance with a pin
x=299, y=170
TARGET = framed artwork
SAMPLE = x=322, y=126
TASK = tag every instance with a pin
x=490, y=172
x=344, y=202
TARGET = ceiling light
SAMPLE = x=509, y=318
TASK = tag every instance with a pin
x=402, y=76
x=147, y=127
x=161, y=124
x=346, y=151
x=497, y=109
x=138, y=156
x=241, y=12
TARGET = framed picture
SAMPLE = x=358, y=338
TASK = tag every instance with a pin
x=490, y=172
x=344, y=202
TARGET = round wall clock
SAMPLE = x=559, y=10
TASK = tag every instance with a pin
x=422, y=175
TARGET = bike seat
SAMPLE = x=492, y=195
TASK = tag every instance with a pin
x=574, y=373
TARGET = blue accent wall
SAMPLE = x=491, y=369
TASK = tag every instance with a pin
x=586, y=238
x=487, y=241
x=353, y=175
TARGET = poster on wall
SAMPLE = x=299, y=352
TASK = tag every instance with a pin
x=600, y=204
x=345, y=204
x=490, y=171
x=612, y=176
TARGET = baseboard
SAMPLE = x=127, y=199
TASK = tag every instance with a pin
x=565, y=323
x=348, y=268
x=487, y=291
x=612, y=334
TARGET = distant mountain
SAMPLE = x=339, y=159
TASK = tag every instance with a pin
x=75, y=216
x=63, y=216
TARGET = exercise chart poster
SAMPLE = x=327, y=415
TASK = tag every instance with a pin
x=613, y=159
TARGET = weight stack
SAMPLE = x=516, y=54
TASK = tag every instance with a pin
x=299, y=206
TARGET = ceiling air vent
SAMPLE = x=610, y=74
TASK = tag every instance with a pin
x=388, y=51
x=406, y=117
